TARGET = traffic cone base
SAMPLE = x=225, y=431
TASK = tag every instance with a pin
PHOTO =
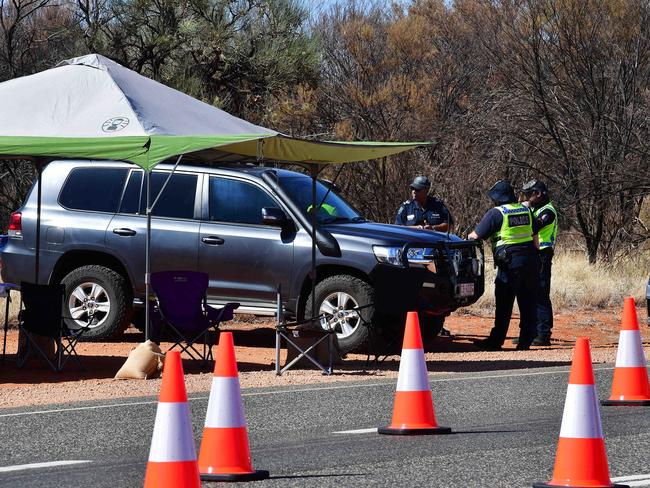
x=256, y=475
x=547, y=485
x=423, y=431
x=628, y=403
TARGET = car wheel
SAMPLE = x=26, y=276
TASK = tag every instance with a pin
x=337, y=297
x=96, y=297
x=430, y=327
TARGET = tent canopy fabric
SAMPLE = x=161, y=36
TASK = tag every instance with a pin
x=91, y=107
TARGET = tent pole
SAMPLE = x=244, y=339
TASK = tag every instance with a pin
x=147, y=258
x=37, y=261
x=312, y=273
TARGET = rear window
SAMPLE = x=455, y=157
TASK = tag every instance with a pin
x=95, y=189
x=176, y=201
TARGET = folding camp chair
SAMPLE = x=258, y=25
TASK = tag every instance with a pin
x=42, y=315
x=314, y=329
x=182, y=309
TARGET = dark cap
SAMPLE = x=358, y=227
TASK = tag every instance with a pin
x=534, y=185
x=502, y=192
x=421, y=183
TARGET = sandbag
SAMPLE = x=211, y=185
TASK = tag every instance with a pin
x=144, y=362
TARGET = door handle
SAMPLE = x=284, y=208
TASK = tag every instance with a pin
x=124, y=232
x=213, y=240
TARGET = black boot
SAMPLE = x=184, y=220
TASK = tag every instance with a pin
x=542, y=340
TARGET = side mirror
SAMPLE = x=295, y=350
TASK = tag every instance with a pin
x=274, y=217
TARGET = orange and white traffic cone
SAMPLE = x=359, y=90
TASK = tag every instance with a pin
x=630, y=385
x=224, y=454
x=581, y=460
x=172, y=457
x=413, y=412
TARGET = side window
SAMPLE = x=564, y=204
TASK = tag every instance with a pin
x=94, y=188
x=177, y=201
x=237, y=201
x=134, y=192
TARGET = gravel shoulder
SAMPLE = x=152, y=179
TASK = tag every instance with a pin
x=255, y=340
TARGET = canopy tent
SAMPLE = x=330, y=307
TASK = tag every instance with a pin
x=93, y=108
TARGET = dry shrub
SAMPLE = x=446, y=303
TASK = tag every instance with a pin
x=577, y=285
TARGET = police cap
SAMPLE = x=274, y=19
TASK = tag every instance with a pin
x=502, y=192
x=534, y=185
x=421, y=183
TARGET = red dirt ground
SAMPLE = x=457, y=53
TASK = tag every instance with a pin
x=255, y=340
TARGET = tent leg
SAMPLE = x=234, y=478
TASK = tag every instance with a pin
x=312, y=272
x=147, y=258
x=40, y=163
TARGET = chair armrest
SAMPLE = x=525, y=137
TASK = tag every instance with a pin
x=223, y=314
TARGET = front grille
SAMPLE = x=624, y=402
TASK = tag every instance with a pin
x=462, y=262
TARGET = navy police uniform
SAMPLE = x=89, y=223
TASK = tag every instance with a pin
x=546, y=217
x=433, y=212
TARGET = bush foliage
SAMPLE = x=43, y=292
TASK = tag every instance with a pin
x=553, y=89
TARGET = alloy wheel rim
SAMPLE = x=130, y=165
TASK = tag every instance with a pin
x=89, y=305
x=338, y=308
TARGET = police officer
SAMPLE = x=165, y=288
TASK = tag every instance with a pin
x=422, y=210
x=536, y=194
x=513, y=228
x=425, y=212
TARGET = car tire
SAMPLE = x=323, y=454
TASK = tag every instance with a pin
x=337, y=294
x=108, y=308
x=430, y=327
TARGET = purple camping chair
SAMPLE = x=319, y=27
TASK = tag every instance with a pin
x=183, y=311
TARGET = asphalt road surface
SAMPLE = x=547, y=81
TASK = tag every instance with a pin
x=505, y=426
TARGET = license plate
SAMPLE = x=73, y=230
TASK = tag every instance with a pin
x=466, y=289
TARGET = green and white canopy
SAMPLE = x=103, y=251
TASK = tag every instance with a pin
x=93, y=108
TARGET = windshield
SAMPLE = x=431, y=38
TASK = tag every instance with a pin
x=331, y=210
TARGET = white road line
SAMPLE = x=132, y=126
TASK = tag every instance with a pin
x=51, y=464
x=633, y=480
x=300, y=390
x=358, y=431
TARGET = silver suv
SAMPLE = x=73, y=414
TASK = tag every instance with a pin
x=249, y=228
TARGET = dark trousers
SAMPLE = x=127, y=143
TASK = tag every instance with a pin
x=521, y=283
x=544, y=306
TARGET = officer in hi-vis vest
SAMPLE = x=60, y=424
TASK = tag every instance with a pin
x=536, y=194
x=515, y=255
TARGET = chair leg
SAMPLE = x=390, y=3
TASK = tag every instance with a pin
x=278, y=346
x=69, y=351
x=304, y=353
x=59, y=354
x=29, y=343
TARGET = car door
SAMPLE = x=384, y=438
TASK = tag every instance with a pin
x=174, y=225
x=246, y=260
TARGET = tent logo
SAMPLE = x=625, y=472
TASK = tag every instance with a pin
x=115, y=124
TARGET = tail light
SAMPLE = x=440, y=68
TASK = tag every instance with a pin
x=16, y=224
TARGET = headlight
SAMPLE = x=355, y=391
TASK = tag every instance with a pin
x=388, y=255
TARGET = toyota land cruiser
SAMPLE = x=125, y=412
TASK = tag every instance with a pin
x=249, y=227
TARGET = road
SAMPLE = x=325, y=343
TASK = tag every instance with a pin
x=505, y=426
